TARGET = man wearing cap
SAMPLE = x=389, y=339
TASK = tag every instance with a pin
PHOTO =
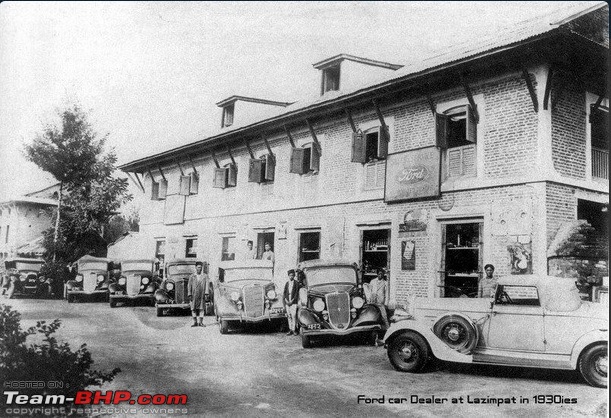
x=291, y=296
x=197, y=292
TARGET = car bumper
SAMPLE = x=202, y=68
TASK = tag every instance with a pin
x=134, y=297
x=347, y=331
x=173, y=305
x=252, y=320
x=82, y=292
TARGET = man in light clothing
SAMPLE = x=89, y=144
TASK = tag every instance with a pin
x=290, y=299
x=198, y=293
x=377, y=289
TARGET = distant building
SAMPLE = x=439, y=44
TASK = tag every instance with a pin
x=23, y=220
x=431, y=170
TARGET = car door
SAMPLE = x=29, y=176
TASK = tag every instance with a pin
x=516, y=321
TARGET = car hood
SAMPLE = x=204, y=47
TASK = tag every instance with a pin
x=238, y=284
x=331, y=287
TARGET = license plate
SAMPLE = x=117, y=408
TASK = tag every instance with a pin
x=313, y=326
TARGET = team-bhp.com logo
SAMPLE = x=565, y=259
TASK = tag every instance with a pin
x=96, y=397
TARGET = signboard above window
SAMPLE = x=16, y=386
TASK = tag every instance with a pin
x=412, y=175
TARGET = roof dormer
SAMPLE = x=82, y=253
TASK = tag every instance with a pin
x=345, y=71
x=246, y=109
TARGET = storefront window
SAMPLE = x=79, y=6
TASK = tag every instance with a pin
x=309, y=246
x=461, y=258
x=376, y=246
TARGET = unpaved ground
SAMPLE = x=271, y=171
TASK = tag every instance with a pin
x=265, y=373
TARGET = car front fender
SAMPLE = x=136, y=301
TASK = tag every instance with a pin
x=72, y=284
x=224, y=306
x=161, y=296
x=113, y=288
x=306, y=317
x=596, y=336
x=438, y=348
x=369, y=315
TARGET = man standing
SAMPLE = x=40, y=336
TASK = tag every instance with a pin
x=290, y=299
x=197, y=292
x=487, y=285
x=377, y=289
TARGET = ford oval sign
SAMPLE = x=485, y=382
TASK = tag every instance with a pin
x=413, y=174
x=410, y=175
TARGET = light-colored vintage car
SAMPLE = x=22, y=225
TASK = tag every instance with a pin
x=136, y=283
x=173, y=291
x=332, y=303
x=92, y=280
x=530, y=322
x=244, y=293
x=23, y=278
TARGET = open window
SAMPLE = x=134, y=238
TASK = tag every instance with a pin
x=309, y=246
x=228, y=249
x=261, y=170
x=330, y=79
x=226, y=176
x=191, y=247
x=228, y=112
x=599, y=134
x=305, y=159
x=456, y=133
x=369, y=146
x=159, y=189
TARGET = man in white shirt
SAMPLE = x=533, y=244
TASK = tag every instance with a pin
x=377, y=289
x=290, y=299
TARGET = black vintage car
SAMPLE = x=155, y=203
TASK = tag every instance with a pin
x=172, y=293
x=23, y=278
x=136, y=283
x=332, y=303
x=92, y=280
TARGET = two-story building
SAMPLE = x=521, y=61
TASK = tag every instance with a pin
x=431, y=169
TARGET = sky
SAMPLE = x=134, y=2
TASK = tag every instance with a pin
x=150, y=73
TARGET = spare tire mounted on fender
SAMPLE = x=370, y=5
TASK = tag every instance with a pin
x=457, y=332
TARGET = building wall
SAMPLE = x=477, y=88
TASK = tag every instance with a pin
x=27, y=222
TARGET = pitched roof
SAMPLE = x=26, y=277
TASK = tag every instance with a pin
x=500, y=40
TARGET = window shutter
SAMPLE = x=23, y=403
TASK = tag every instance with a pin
x=154, y=190
x=468, y=160
x=163, y=189
x=454, y=162
x=383, y=143
x=185, y=185
x=194, y=183
x=297, y=155
x=314, y=158
x=220, y=178
x=358, y=147
x=441, y=130
x=254, y=170
x=232, y=175
x=270, y=167
x=381, y=174
x=471, y=125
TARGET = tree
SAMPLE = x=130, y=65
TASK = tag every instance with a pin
x=89, y=192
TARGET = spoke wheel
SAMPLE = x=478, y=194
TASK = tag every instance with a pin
x=456, y=332
x=408, y=352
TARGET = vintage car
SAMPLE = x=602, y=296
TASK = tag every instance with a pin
x=173, y=292
x=136, y=283
x=23, y=278
x=245, y=293
x=92, y=280
x=332, y=303
x=530, y=322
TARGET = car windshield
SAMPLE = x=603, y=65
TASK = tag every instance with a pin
x=28, y=266
x=97, y=265
x=131, y=266
x=181, y=269
x=248, y=274
x=327, y=275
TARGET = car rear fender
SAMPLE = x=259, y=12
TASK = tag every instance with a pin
x=438, y=348
x=590, y=338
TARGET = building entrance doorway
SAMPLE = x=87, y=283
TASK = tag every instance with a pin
x=461, y=259
x=375, y=252
x=262, y=238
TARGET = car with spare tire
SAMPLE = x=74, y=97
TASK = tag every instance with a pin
x=531, y=321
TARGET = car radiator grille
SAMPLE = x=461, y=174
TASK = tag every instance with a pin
x=180, y=291
x=338, y=305
x=133, y=285
x=253, y=301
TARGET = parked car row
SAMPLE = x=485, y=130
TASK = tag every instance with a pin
x=530, y=321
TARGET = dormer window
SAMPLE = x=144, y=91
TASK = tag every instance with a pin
x=228, y=112
x=330, y=79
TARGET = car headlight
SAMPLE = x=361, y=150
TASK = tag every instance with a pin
x=169, y=286
x=271, y=294
x=41, y=278
x=358, y=302
x=122, y=281
x=79, y=278
x=22, y=277
x=145, y=280
x=234, y=296
x=319, y=305
x=100, y=278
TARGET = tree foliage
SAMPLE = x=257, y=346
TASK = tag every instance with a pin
x=90, y=193
x=46, y=361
